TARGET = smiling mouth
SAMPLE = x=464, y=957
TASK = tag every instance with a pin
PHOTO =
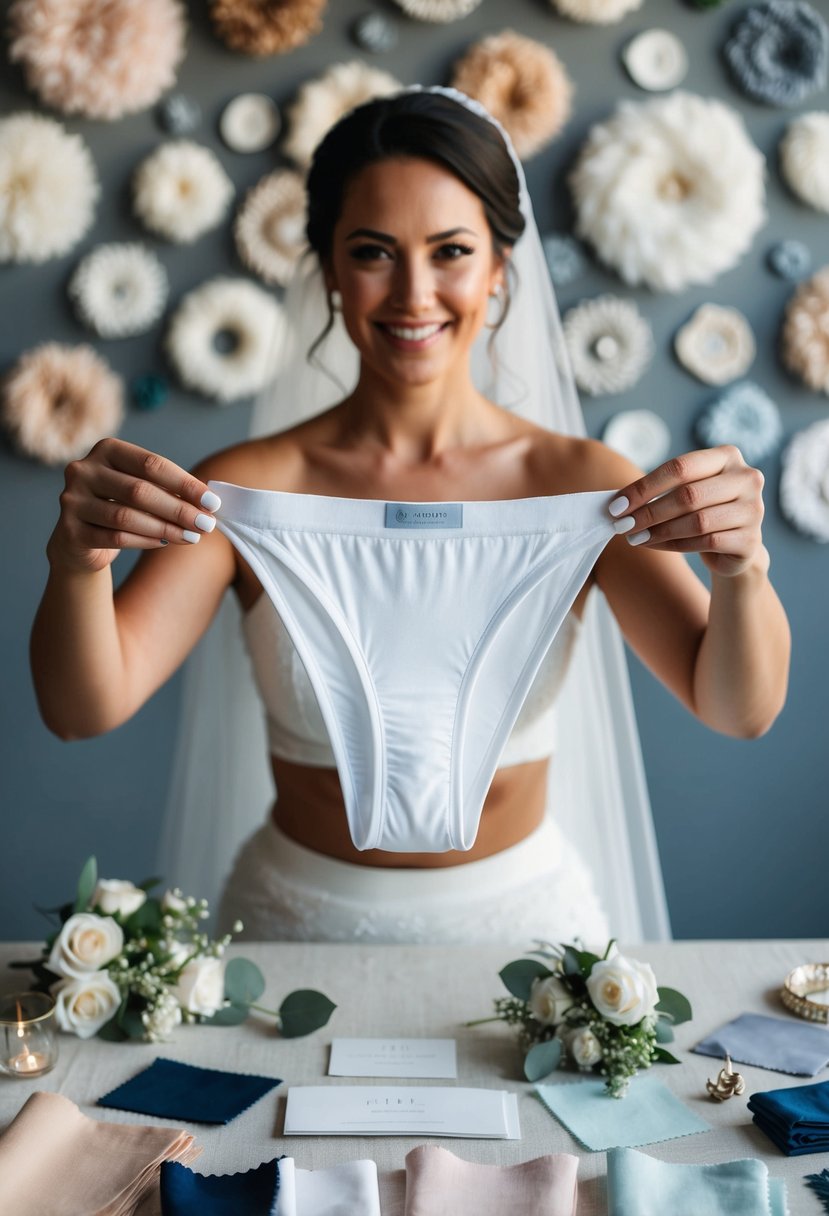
x=412, y=336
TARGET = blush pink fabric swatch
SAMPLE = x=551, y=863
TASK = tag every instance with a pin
x=440, y=1184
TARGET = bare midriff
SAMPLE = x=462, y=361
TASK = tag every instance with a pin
x=311, y=811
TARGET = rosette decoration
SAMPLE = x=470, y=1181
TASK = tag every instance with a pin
x=522, y=83
x=656, y=60
x=609, y=343
x=437, y=10
x=100, y=58
x=669, y=191
x=805, y=337
x=223, y=339
x=181, y=191
x=778, y=51
x=596, y=12
x=745, y=416
x=804, y=158
x=804, y=482
x=716, y=345
x=48, y=189
x=270, y=227
x=641, y=435
x=790, y=259
x=119, y=290
x=266, y=27
x=57, y=401
x=323, y=101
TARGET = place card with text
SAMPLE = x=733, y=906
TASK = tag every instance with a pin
x=434, y=1058
x=391, y=1110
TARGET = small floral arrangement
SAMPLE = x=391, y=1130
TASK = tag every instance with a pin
x=602, y=1014
x=127, y=965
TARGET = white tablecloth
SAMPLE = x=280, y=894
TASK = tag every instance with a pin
x=431, y=991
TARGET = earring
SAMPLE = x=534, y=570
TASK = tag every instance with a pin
x=498, y=294
x=335, y=301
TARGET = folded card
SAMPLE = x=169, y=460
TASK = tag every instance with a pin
x=378, y=1110
x=393, y=1058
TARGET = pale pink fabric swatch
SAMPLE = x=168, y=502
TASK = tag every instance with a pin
x=440, y=1184
x=54, y=1161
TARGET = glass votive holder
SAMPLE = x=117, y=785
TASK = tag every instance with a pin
x=28, y=1034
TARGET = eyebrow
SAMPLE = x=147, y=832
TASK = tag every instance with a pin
x=390, y=240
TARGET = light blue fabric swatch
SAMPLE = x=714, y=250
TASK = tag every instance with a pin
x=639, y=1185
x=649, y=1112
x=780, y=1044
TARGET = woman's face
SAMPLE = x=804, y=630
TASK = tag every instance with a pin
x=413, y=258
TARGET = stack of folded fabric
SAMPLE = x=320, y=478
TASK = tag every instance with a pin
x=639, y=1185
x=275, y=1188
x=795, y=1118
x=54, y=1161
x=440, y=1184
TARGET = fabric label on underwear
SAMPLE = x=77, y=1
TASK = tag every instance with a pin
x=424, y=514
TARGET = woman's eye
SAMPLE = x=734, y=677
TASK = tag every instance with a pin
x=368, y=253
x=454, y=250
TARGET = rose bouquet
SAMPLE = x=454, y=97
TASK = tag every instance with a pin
x=126, y=965
x=600, y=1014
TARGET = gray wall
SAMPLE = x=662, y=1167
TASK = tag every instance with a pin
x=741, y=825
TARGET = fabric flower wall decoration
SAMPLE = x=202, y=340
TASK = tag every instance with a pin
x=522, y=83
x=804, y=158
x=565, y=260
x=374, y=33
x=57, y=401
x=224, y=337
x=656, y=60
x=609, y=343
x=790, y=259
x=716, y=345
x=322, y=102
x=804, y=481
x=745, y=416
x=437, y=10
x=181, y=191
x=669, y=191
x=805, y=336
x=596, y=12
x=778, y=51
x=641, y=435
x=266, y=27
x=100, y=58
x=119, y=289
x=48, y=188
x=270, y=228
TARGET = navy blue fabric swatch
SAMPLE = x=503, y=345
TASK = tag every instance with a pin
x=252, y=1192
x=171, y=1090
x=796, y=1118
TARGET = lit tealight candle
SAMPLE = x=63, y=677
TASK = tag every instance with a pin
x=29, y=1061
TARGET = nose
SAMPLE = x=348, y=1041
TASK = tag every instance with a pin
x=413, y=287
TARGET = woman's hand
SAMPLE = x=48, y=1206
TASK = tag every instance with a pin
x=121, y=496
x=709, y=502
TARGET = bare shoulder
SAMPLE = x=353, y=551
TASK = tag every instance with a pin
x=570, y=464
x=274, y=462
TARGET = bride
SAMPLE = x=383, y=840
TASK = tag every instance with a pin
x=425, y=253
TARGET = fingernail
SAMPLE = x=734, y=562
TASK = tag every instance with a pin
x=639, y=538
x=616, y=507
x=205, y=523
x=624, y=525
x=164, y=542
x=210, y=501
x=192, y=537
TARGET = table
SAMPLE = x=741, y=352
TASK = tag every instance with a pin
x=431, y=991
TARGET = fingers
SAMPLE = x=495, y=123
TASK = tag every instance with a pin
x=135, y=505
x=680, y=471
x=158, y=470
x=128, y=523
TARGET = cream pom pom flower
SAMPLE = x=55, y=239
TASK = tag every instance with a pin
x=596, y=12
x=101, y=58
x=716, y=345
x=48, y=188
x=270, y=227
x=804, y=481
x=522, y=83
x=805, y=336
x=609, y=342
x=804, y=158
x=238, y=317
x=119, y=289
x=181, y=191
x=256, y=28
x=323, y=101
x=57, y=401
x=669, y=191
x=437, y=10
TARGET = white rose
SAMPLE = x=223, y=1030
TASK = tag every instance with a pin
x=549, y=1000
x=584, y=1047
x=201, y=986
x=86, y=943
x=173, y=901
x=117, y=895
x=82, y=1006
x=623, y=990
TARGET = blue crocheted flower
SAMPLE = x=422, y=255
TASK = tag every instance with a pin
x=149, y=392
x=778, y=51
x=375, y=33
x=565, y=260
x=744, y=415
x=179, y=114
x=790, y=259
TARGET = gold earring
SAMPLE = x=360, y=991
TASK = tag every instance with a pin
x=497, y=293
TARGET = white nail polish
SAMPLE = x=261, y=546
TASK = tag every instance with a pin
x=616, y=507
x=624, y=525
x=205, y=523
x=210, y=501
x=639, y=538
x=192, y=537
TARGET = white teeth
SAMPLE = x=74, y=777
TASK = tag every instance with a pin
x=412, y=333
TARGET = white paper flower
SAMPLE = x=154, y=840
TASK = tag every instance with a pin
x=716, y=345
x=234, y=314
x=623, y=990
x=584, y=1047
x=804, y=482
x=656, y=60
x=669, y=191
x=117, y=895
x=549, y=1000
x=86, y=943
x=805, y=336
x=84, y=1005
x=609, y=342
x=270, y=227
x=437, y=10
x=181, y=191
x=641, y=435
x=804, y=158
x=743, y=415
x=48, y=189
x=201, y=986
x=322, y=102
x=250, y=122
x=596, y=12
x=119, y=289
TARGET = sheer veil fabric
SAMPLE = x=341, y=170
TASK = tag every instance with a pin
x=222, y=785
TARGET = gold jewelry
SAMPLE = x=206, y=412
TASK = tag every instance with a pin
x=497, y=293
x=727, y=1084
x=809, y=981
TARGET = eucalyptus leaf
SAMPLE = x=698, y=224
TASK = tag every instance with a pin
x=111, y=1032
x=148, y=883
x=570, y=961
x=87, y=883
x=675, y=1005
x=542, y=1059
x=145, y=921
x=131, y=1024
x=664, y=1057
x=664, y=1031
x=304, y=1011
x=244, y=982
x=518, y=976
x=228, y=1015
